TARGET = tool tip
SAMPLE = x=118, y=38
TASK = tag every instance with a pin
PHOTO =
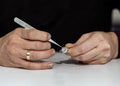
x=64, y=50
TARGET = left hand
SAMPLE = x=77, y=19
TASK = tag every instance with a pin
x=94, y=47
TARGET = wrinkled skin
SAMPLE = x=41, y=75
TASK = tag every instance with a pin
x=15, y=45
x=94, y=47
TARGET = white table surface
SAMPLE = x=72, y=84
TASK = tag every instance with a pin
x=64, y=73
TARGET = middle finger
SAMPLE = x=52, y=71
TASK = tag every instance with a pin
x=35, y=45
x=36, y=55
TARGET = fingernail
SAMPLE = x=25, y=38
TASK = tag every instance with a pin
x=69, y=51
x=50, y=65
x=49, y=36
x=53, y=51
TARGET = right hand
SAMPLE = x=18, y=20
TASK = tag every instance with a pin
x=15, y=45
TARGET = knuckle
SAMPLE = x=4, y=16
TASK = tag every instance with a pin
x=17, y=30
x=85, y=35
x=81, y=50
x=12, y=52
x=100, y=36
x=29, y=66
x=12, y=41
x=45, y=36
x=107, y=47
x=29, y=33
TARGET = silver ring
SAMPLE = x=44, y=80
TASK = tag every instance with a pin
x=28, y=55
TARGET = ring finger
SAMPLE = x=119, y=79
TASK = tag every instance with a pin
x=36, y=55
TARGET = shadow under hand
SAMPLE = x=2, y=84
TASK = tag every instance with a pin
x=69, y=61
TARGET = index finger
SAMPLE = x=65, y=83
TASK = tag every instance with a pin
x=34, y=34
x=84, y=47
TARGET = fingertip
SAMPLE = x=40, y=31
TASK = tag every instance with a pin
x=48, y=36
x=69, y=52
x=50, y=65
x=46, y=65
x=53, y=51
x=69, y=45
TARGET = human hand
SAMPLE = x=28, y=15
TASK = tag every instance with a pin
x=94, y=48
x=15, y=45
